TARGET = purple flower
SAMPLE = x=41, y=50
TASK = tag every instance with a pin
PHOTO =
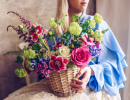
x=33, y=64
x=95, y=52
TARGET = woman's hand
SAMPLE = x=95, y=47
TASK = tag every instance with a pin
x=80, y=85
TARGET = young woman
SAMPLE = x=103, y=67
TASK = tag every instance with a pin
x=104, y=74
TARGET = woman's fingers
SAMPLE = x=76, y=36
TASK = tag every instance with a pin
x=78, y=81
x=85, y=76
x=80, y=73
x=75, y=85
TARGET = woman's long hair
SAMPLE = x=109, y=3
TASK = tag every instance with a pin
x=62, y=10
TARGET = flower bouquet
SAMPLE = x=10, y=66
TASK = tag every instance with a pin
x=59, y=64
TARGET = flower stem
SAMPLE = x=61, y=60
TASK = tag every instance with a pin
x=65, y=27
x=43, y=41
x=25, y=31
x=55, y=42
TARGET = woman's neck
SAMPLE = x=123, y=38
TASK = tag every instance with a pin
x=72, y=12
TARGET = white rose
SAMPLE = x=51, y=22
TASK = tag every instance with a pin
x=65, y=52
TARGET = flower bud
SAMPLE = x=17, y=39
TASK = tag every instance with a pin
x=33, y=26
x=72, y=46
x=20, y=26
x=72, y=40
x=49, y=33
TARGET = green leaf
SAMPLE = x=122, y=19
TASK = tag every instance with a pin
x=36, y=47
x=75, y=17
x=56, y=20
x=66, y=15
x=18, y=53
x=42, y=26
x=39, y=56
x=62, y=22
x=59, y=23
x=94, y=58
x=19, y=60
x=104, y=31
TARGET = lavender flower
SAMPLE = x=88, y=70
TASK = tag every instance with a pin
x=94, y=51
x=41, y=67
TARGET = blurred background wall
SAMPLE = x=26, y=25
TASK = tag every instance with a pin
x=40, y=11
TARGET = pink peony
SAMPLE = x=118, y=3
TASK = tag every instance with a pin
x=81, y=56
x=58, y=63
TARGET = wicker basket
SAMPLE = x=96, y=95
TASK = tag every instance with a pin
x=60, y=82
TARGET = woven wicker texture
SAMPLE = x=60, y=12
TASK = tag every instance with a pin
x=60, y=81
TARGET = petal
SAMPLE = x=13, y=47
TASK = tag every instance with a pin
x=84, y=43
x=62, y=67
x=44, y=30
x=31, y=34
x=80, y=39
x=53, y=58
x=28, y=71
x=91, y=39
x=66, y=61
x=54, y=47
x=52, y=64
x=35, y=38
x=39, y=32
x=59, y=58
x=85, y=37
x=35, y=72
x=38, y=27
x=97, y=44
x=58, y=44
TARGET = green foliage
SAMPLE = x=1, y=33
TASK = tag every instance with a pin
x=85, y=25
x=39, y=56
x=19, y=60
x=93, y=58
x=104, y=31
x=56, y=20
x=98, y=18
x=71, y=65
x=75, y=17
x=29, y=54
x=52, y=23
x=28, y=65
x=18, y=53
x=36, y=47
x=98, y=35
x=42, y=26
x=20, y=72
x=65, y=37
x=92, y=24
x=75, y=28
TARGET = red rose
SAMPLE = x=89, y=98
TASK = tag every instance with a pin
x=81, y=56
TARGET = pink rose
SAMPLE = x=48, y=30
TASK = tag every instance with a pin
x=81, y=56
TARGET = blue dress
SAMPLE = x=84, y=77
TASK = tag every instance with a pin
x=108, y=67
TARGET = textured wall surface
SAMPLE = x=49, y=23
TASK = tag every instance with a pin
x=36, y=11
